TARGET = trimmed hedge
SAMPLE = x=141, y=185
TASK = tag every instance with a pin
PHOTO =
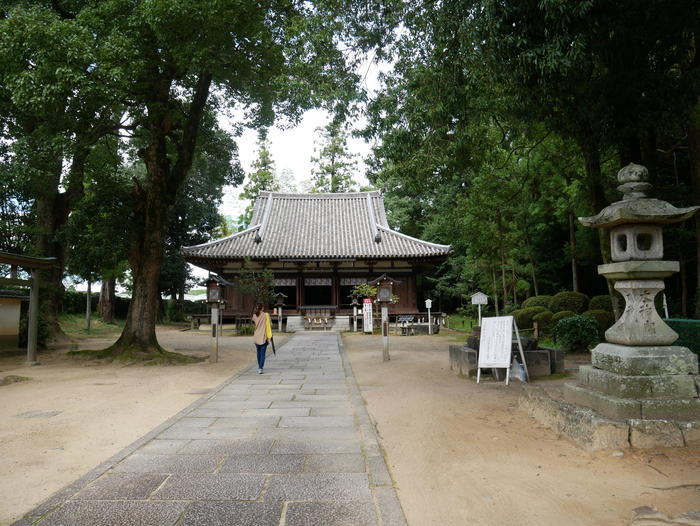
x=603, y=318
x=538, y=301
x=523, y=317
x=688, y=333
x=569, y=300
x=576, y=333
x=543, y=319
x=601, y=303
x=557, y=316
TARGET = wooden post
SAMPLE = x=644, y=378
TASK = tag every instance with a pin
x=88, y=306
x=385, y=332
x=214, y=352
x=33, y=319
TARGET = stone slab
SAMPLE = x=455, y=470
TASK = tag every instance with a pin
x=263, y=464
x=644, y=361
x=232, y=514
x=310, y=434
x=316, y=421
x=378, y=472
x=655, y=433
x=677, y=410
x=538, y=363
x=115, y=513
x=581, y=425
x=144, y=463
x=246, y=422
x=212, y=486
x=163, y=447
x=122, y=486
x=340, y=463
x=389, y=506
x=316, y=447
x=606, y=405
x=691, y=433
x=639, y=387
x=331, y=514
x=228, y=447
x=201, y=433
x=319, y=486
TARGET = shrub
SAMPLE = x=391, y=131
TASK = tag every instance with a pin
x=600, y=303
x=561, y=315
x=543, y=319
x=568, y=300
x=603, y=318
x=523, y=317
x=576, y=333
x=538, y=301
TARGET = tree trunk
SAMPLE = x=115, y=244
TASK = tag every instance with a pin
x=107, y=303
x=495, y=290
x=572, y=245
x=694, y=155
x=165, y=174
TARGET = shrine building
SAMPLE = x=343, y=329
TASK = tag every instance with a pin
x=319, y=246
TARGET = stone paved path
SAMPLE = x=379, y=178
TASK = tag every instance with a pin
x=291, y=447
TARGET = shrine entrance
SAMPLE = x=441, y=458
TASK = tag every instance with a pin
x=318, y=291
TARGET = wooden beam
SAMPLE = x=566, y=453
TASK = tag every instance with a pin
x=16, y=281
x=27, y=261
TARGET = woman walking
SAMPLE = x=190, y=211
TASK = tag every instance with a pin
x=262, y=333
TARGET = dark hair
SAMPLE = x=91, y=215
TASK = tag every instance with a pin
x=258, y=309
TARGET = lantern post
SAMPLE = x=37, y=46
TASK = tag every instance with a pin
x=384, y=286
x=428, y=305
x=355, y=303
x=279, y=303
x=214, y=295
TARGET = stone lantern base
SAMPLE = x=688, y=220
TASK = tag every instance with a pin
x=628, y=397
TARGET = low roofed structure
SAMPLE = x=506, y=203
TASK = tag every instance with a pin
x=319, y=246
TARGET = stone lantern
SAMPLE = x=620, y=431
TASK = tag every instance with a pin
x=637, y=377
x=385, y=287
x=279, y=304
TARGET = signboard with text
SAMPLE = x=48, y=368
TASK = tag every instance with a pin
x=367, y=315
x=496, y=344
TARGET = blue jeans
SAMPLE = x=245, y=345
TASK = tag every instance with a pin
x=262, y=349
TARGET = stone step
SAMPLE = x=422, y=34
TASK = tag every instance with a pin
x=644, y=361
x=638, y=387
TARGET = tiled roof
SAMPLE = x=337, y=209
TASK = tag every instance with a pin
x=317, y=226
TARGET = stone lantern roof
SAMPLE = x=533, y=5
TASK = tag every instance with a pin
x=635, y=207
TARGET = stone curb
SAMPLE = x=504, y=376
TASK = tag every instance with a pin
x=385, y=495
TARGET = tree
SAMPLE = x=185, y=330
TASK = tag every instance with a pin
x=333, y=165
x=262, y=178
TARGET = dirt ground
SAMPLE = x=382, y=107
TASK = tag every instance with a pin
x=462, y=453
x=102, y=409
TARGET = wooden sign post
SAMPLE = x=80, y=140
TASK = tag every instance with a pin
x=496, y=345
x=480, y=299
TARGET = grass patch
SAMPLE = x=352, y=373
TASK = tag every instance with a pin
x=74, y=326
x=462, y=323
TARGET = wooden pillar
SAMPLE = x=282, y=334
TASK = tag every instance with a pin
x=300, y=290
x=33, y=319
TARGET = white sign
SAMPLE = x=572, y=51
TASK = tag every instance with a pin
x=496, y=345
x=480, y=299
x=367, y=315
x=496, y=341
x=428, y=304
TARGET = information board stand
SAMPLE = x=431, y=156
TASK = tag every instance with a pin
x=495, y=347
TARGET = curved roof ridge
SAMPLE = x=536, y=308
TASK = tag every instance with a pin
x=320, y=195
x=406, y=236
x=215, y=242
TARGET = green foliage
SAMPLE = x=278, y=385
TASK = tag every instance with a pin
x=73, y=302
x=365, y=290
x=543, y=319
x=602, y=302
x=569, y=300
x=262, y=178
x=603, y=318
x=538, y=301
x=557, y=316
x=333, y=166
x=576, y=333
x=260, y=285
x=688, y=333
x=524, y=317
